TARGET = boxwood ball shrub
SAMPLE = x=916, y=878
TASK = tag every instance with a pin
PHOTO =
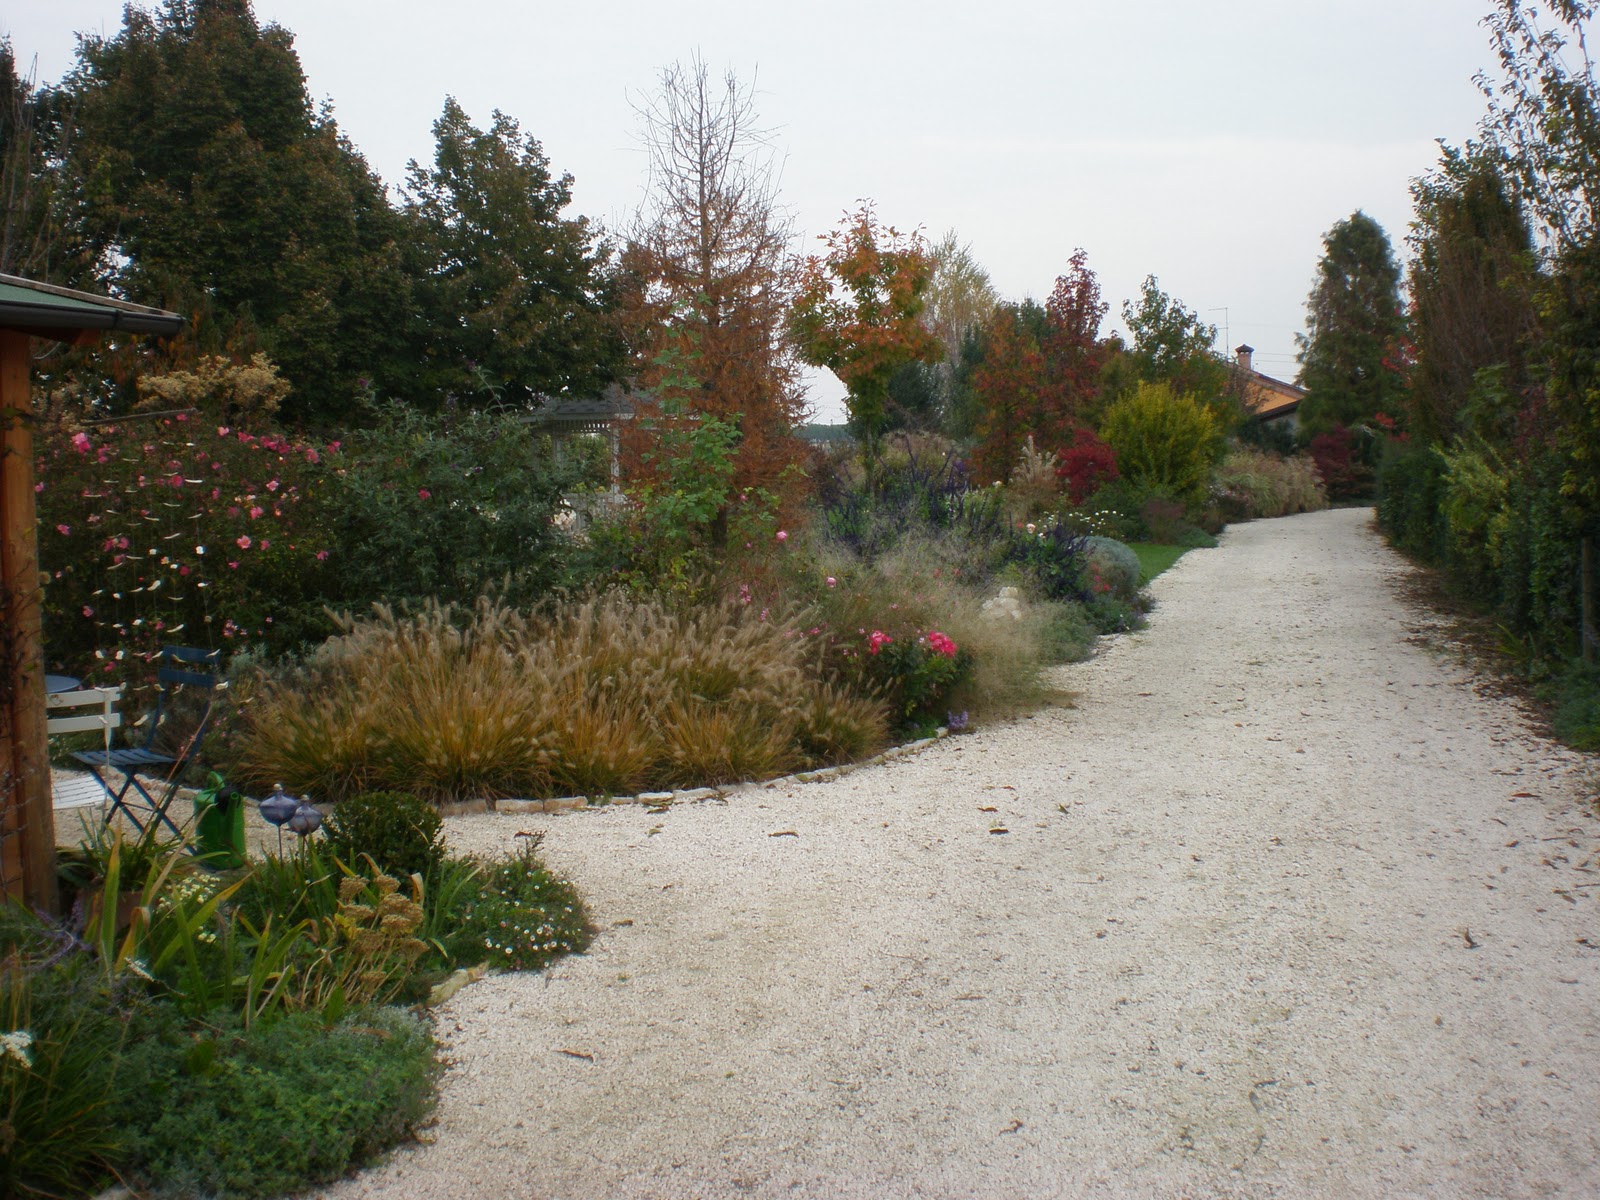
x=402, y=834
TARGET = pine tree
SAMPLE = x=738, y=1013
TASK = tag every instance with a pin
x=1354, y=326
x=211, y=187
x=1472, y=287
x=513, y=297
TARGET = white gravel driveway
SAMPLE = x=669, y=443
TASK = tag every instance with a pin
x=1284, y=908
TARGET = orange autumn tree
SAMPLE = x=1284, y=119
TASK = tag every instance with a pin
x=856, y=314
x=709, y=277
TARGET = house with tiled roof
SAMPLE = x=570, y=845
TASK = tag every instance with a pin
x=1269, y=400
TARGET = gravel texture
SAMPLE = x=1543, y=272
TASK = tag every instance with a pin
x=1283, y=907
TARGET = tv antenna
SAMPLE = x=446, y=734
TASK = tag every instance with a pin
x=1227, y=338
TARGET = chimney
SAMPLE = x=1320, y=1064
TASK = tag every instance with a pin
x=1244, y=353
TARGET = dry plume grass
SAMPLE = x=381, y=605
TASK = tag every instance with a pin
x=603, y=697
x=1270, y=485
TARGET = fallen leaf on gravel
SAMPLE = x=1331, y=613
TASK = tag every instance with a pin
x=622, y=923
x=1013, y=1127
x=987, y=808
x=784, y=833
x=999, y=829
x=575, y=1054
x=1472, y=943
x=1524, y=796
x=440, y=992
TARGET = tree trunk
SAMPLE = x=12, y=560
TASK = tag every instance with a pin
x=1590, y=623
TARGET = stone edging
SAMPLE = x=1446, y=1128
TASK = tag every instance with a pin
x=688, y=795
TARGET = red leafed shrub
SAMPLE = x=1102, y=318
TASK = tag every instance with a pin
x=1343, y=473
x=1086, y=466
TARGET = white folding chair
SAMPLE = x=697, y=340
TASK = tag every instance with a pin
x=80, y=711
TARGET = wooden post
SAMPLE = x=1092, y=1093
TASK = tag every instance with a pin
x=27, y=823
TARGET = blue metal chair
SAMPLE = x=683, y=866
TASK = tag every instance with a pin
x=180, y=666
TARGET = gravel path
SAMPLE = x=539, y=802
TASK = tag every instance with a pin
x=1283, y=908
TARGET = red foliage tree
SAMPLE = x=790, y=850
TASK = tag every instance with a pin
x=1343, y=473
x=1086, y=466
x=1041, y=370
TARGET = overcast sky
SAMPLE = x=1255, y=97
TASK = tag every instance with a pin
x=1209, y=145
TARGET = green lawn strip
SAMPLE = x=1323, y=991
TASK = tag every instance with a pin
x=1154, y=559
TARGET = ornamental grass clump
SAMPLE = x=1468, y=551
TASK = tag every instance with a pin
x=438, y=702
x=602, y=743
x=607, y=696
x=651, y=696
x=1257, y=483
x=837, y=726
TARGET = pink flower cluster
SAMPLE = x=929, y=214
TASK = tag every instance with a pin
x=940, y=643
x=877, y=640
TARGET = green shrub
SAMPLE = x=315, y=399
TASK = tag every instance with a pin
x=521, y=916
x=1110, y=615
x=443, y=504
x=1577, y=715
x=1195, y=538
x=1474, y=511
x=401, y=833
x=1535, y=592
x=1410, y=504
x=1164, y=439
x=59, y=1047
x=275, y=1107
x=1066, y=634
x=1113, y=568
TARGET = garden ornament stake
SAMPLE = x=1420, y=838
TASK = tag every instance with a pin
x=278, y=809
x=305, y=820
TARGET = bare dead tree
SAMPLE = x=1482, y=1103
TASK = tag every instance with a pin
x=32, y=145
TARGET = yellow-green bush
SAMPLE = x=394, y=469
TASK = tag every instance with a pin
x=1164, y=439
